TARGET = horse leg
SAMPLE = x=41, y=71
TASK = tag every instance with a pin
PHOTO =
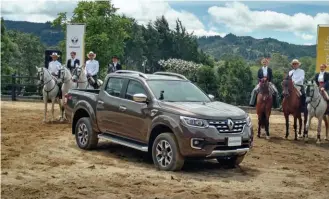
x=267, y=124
x=259, y=125
x=52, y=109
x=287, y=125
x=307, y=127
x=318, y=139
x=300, y=122
x=45, y=113
x=295, y=126
x=325, y=119
x=305, y=121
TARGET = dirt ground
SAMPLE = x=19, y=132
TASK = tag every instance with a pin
x=43, y=161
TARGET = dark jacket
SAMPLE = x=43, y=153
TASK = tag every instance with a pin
x=326, y=80
x=269, y=74
x=76, y=62
x=111, y=70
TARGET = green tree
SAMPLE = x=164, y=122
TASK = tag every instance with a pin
x=106, y=32
x=206, y=80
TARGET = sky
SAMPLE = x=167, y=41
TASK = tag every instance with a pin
x=290, y=21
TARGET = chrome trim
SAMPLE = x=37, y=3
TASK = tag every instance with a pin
x=191, y=142
x=123, y=142
x=228, y=152
x=171, y=74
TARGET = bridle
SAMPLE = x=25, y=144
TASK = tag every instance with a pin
x=312, y=96
x=41, y=79
x=77, y=74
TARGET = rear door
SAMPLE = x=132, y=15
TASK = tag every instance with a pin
x=108, y=105
x=134, y=115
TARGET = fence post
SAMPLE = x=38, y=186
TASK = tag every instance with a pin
x=13, y=88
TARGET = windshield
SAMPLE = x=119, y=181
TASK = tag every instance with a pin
x=177, y=91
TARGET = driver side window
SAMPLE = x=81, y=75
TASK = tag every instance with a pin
x=133, y=88
x=114, y=86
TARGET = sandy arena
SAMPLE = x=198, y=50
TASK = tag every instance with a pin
x=43, y=161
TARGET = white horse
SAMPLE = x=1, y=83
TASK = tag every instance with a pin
x=316, y=107
x=80, y=79
x=50, y=89
x=66, y=78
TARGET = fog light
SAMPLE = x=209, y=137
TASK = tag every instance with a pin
x=197, y=143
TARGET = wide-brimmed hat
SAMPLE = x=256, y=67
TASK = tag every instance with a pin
x=295, y=61
x=54, y=55
x=91, y=53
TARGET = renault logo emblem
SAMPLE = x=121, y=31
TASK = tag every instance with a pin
x=230, y=124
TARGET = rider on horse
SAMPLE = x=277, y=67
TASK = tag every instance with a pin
x=264, y=73
x=322, y=80
x=54, y=68
x=92, y=68
x=298, y=75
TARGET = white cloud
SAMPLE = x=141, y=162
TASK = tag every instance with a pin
x=145, y=11
x=239, y=18
x=304, y=36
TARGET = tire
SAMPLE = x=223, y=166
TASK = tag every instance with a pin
x=166, y=143
x=85, y=137
x=231, y=161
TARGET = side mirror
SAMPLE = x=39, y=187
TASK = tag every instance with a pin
x=140, y=98
x=212, y=98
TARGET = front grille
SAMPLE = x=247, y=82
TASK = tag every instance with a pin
x=223, y=125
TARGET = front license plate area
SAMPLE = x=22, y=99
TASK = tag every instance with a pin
x=234, y=141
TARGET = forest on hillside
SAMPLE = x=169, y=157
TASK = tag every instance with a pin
x=150, y=48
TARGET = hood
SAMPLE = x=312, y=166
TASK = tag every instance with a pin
x=211, y=110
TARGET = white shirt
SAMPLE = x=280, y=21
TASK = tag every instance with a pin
x=92, y=67
x=72, y=62
x=264, y=71
x=54, y=67
x=298, y=76
x=321, y=77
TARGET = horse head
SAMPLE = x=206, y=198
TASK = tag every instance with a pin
x=287, y=86
x=40, y=75
x=65, y=74
x=264, y=86
x=312, y=91
x=76, y=73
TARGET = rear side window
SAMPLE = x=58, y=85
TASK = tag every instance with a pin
x=133, y=88
x=114, y=86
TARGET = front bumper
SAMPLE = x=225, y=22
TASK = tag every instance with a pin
x=213, y=143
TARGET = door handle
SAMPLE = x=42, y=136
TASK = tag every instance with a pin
x=100, y=102
x=122, y=108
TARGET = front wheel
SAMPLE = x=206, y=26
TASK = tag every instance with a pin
x=85, y=137
x=165, y=153
x=231, y=161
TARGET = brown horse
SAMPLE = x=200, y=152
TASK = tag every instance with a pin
x=291, y=104
x=264, y=107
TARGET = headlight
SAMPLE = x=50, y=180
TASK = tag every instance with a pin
x=194, y=122
x=248, y=120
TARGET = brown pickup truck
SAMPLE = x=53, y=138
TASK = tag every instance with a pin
x=163, y=114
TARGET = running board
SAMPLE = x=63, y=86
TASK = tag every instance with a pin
x=124, y=142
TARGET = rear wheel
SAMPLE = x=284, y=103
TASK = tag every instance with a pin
x=85, y=137
x=231, y=161
x=165, y=153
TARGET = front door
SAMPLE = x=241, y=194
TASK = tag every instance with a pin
x=134, y=114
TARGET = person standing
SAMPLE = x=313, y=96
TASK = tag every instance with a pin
x=114, y=66
x=92, y=68
x=73, y=62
